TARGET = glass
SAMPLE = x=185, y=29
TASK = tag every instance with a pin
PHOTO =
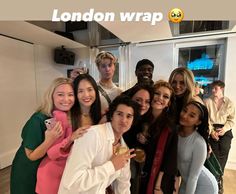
x=198, y=27
x=121, y=150
x=140, y=155
x=206, y=62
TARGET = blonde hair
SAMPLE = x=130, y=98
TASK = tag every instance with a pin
x=47, y=105
x=104, y=55
x=188, y=81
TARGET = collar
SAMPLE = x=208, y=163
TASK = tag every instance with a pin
x=213, y=98
x=110, y=134
x=105, y=86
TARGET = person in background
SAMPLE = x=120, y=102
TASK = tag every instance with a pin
x=221, y=121
x=87, y=107
x=198, y=90
x=160, y=169
x=77, y=71
x=105, y=62
x=37, y=139
x=143, y=71
x=74, y=73
x=100, y=158
x=192, y=151
x=182, y=81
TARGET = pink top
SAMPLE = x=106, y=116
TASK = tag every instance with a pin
x=52, y=166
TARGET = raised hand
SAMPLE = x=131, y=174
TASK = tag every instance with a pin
x=120, y=160
x=79, y=132
x=52, y=134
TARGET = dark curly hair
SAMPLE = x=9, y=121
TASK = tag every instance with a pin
x=126, y=100
x=143, y=62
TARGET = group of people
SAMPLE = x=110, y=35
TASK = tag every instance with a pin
x=93, y=143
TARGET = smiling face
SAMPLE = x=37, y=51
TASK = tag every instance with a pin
x=161, y=98
x=86, y=94
x=176, y=15
x=63, y=97
x=106, y=69
x=178, y=84
x=190, y=116
x=122, y=119
x=144, y=73
x=142, y=97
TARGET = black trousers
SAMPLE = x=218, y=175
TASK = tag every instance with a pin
x=221, y=148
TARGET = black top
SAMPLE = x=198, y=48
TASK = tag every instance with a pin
x=169, y=163
x=179, y=102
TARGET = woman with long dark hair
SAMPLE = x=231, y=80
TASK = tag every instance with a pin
x=87, y=106
x=192, y=151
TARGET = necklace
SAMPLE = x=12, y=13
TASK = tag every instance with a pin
x=116, y=147
x=85, y=114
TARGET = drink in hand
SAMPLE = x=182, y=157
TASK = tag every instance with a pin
x=140, y=155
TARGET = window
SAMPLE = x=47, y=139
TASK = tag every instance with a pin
x=190, y=27
x=205, y=59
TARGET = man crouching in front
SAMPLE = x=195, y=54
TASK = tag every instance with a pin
x=99, y=161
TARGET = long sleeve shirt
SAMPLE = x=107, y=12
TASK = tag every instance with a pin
x=89, y=169
x=192, y=151
x=224, y=115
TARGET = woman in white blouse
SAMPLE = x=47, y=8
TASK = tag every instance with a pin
x=95, y=162
x=192, y=151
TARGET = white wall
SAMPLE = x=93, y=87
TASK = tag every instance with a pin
x=230, y=82
x=18, y=93
x=46, y=69
x=26, y=70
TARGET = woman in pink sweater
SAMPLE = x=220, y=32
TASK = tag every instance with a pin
x=52, y=166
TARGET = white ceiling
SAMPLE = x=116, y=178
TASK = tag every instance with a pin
x=134, y=32
x=34, y=34
x=139, y=31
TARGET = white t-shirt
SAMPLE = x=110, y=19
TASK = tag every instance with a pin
x=112, y=92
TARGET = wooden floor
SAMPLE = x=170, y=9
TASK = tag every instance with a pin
x=5, y=180
x=229, y=181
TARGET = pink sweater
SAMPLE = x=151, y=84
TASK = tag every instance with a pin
x=52, y=166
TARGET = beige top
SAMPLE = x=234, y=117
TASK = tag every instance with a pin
x=224, y=115
x=112, y=92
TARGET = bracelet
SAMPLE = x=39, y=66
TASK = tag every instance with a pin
x=157, y=189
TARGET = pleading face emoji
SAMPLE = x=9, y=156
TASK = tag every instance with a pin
x=176, y=15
